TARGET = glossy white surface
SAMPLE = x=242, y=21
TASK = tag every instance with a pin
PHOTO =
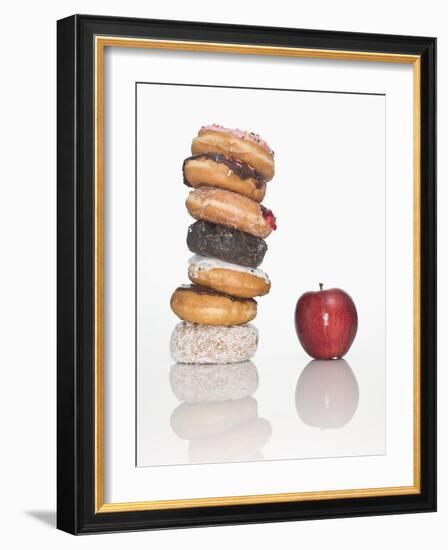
x=316, y=409
x=329, y=195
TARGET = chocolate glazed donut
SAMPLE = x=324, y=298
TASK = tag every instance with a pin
x=224, y=243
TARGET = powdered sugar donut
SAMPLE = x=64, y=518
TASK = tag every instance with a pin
x=231, y=210
x=233, y=279
x=221, y=171
x=243, y=145
x=206, y=344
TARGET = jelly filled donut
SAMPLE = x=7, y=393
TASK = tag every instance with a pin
x=205, y=306
x=224, y=243
x=233, y=279
x=208, y=345
x=246, y=146
x=230, y=209
x=224, y=172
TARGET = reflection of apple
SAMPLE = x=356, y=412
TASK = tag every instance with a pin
x=327, y=394
x=326, y=323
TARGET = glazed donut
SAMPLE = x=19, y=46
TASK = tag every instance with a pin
x=230, y=209
x=245, y=146
x=208, y=345
x=224, y=243
x=205, y=306
x=233, y=279
x=221, y=171
x=196, y=382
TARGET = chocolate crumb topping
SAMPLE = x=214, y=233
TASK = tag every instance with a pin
x=198, y=289
x=231, y=245
x=241, y=169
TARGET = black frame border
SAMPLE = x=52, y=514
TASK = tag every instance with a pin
x=75, y=271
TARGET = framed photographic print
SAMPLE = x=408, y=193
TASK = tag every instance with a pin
x=246, y=274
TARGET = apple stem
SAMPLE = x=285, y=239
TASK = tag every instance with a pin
x=321, y=286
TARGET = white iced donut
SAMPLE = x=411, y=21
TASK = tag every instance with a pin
x=233, y=279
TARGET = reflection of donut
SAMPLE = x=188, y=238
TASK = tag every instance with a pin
x=198, y=304
x=192, y=343
x=191, y=420
x=244, y=282
x=213, y=382
x=230, y=209
x=230, y=245
x=239, y=443
x=224, y=172
x=245, y=146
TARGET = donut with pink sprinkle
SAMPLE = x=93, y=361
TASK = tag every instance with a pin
x=244, y=146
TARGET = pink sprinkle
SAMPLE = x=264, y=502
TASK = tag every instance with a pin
x=240, y=134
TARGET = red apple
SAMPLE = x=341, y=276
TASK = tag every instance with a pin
x=326, y=323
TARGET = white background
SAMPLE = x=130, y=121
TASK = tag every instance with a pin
x=320, y=236
x=27, y=296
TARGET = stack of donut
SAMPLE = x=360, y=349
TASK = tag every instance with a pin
x=228, y=172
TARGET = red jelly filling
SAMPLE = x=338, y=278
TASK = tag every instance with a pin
x=268, y=215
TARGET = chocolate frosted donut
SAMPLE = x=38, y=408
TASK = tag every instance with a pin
x=209, y=239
